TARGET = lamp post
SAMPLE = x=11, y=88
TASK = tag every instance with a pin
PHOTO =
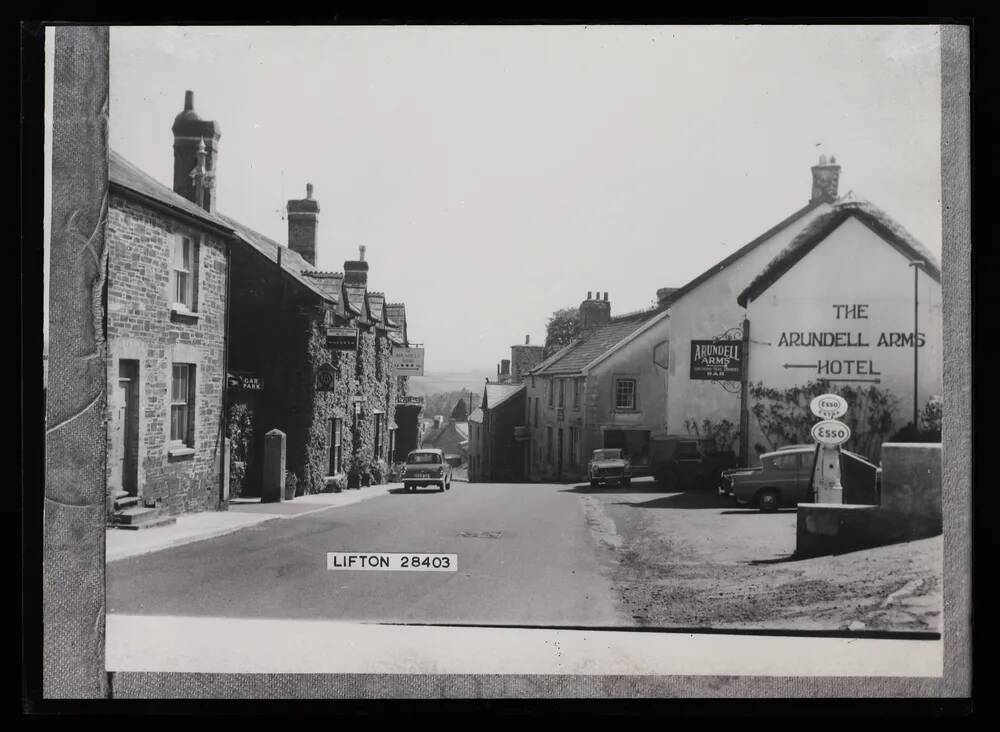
x=916, y=264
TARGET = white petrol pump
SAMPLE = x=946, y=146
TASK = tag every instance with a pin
x=829, y=435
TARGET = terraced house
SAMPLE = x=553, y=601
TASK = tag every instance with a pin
x=215, y=331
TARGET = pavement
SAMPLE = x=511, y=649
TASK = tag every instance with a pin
x=189, y=528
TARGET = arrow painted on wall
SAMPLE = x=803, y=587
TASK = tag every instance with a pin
x=800, y=365
x=867, y=381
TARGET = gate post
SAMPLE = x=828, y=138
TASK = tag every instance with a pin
x=273, y=484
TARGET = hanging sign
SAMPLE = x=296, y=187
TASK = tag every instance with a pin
x=829, y=406
x=245, y=381
x=716, y=360
x=408, y=361
x=830, y=432
x=342, y=338
x=325, y=377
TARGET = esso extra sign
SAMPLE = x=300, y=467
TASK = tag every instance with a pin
x=831, y=432
x=829, y=406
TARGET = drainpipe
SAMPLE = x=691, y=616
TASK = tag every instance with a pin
x=225, y=376
x=744, y=407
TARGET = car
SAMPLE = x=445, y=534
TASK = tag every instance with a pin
x=608, y=466
x=784, y=478
x=426, y=467
x=682, y=463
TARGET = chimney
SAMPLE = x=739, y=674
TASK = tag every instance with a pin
x=826, y=179
x=527, y=340
x=303, y=223
x=505, y=370
x=194, y=174
x=356, y=272
x=594, y=312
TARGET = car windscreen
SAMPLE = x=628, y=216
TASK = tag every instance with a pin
x=423, y=458
x=607, y=454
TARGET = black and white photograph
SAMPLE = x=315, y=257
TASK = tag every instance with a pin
x=574, y=350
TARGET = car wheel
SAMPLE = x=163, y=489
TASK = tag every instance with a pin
x=447, y=486
x=769, y=500
x=441, y=487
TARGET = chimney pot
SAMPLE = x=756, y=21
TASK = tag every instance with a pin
x=189, y=101
x=589, y=293
x=527, y=340
x=309, y=191
x=605, y=297
x=361, y=250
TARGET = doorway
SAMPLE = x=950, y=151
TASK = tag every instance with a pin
x=559, y=456
x=125, y=430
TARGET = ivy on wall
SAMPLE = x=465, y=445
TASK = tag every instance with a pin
x=785, y=418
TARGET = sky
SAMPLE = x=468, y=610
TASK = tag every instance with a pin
x=496, y=174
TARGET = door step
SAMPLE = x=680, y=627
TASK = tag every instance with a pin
x=124, y=500
x=141, y=518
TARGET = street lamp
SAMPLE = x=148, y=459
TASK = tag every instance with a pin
x=916, y=264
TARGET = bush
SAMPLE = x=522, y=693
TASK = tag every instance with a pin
x=396, y=472
x=291, y=484
x=380, y=471
x=237, y=473
x=335, y=483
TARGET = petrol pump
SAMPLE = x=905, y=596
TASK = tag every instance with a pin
x=829, y=434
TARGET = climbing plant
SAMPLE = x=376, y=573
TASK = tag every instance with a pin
x=241, y=434
x=785, y=418
x=724, y=433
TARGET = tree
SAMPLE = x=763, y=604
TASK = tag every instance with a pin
x=561, y=330
x=460, y=413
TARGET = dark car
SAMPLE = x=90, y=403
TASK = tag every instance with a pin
x=608, y=466
x=426, y=467
x=784, y=478
x=686, y=463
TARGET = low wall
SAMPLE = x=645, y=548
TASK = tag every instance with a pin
x=910, y=507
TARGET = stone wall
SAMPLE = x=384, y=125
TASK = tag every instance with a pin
x=141, y=327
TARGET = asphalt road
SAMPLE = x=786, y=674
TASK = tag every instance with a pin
x=527, y=555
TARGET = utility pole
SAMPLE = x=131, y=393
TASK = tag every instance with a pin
x=916, y=264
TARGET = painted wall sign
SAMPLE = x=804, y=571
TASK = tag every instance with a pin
x=245, y=381
x=831, y=432
x=408, y=361
x=829, y=406
x=342, y=338
x=716, y=360
x=326, y=377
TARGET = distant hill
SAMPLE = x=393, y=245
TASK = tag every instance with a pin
x=442, y=383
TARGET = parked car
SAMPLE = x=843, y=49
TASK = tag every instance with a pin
x=784, y=478
x=608, y=466
x=685, y=463
x=426, y=467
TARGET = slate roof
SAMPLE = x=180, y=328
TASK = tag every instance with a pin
x=355, y=298
x=329, y=282
x=595, y=342
x=807, y=240
x=476, y=416
x=497, y=394
x=395, y=314
x=124, y=174
x=376, y=304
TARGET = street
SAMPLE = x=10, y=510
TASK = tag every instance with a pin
x=543, y=555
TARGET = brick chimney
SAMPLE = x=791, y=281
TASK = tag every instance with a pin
x=594, y=311
x=356, y=271
x=303, y=222
x=826, y=179
x=523, y=358
x=190, y=133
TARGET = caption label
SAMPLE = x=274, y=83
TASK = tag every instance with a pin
x=392, y=561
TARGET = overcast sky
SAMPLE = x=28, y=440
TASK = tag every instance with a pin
x=496, y=174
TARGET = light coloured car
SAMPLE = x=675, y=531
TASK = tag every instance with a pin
x=426, y=467
x=608, y=466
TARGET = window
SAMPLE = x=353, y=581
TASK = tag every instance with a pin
x=336, y=448
x=182, y=405
x=562, y=392
x=552, y=391
x=786, y=462
x=183, y=272
x=548, y=445
x=423, y=458
x=536, y=411
x=576, y=393
x=624, y=393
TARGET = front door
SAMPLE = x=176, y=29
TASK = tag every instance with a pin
x=125, y=430
x=559, y=455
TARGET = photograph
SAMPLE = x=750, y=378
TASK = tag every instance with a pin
x=620, y=350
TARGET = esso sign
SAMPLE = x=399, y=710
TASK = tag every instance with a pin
x=831, y=432
x=829, y=406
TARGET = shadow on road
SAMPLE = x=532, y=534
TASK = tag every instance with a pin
x=690, y=499
x=757, y=512
x=419, y=491
x=634, y=488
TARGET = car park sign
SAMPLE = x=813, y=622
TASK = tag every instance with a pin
x=829, y=406
x=830, y=432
